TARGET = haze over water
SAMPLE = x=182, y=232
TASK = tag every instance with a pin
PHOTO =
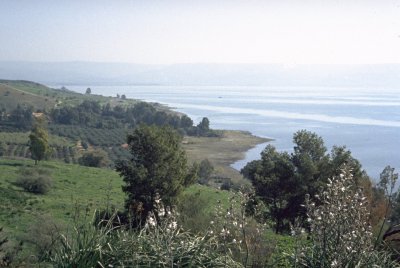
x=367, y=121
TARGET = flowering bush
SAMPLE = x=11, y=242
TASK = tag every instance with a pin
x=240, y=234
x=340, y=233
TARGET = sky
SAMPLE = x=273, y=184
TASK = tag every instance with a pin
x=287, y=32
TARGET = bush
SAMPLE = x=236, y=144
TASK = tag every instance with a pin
x=8, y=251
x=96, y=158
x=340, y=233
x=194, y=214
x=43, y=234
x=226, y=184
x=35, y=180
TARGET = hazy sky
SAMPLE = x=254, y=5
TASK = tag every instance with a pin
x=281, y=31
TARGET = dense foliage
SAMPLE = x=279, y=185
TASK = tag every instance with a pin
x=19, y=118
x=91, y=114
x=156, y=172
x=282, y=180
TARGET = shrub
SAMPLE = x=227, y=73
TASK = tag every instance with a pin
x=340, y=233
x=8, y=251
x=96, y=158
x=194, y=214
x=205, y=171
x=35, y=180
x=226, y=184
x=43, y=234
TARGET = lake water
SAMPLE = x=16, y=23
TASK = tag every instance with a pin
x=366, y=121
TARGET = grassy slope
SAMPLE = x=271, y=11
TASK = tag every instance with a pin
x=10, y=97
x=40, y=96
x=74, y=186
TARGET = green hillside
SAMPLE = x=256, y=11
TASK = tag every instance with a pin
x=73, y=186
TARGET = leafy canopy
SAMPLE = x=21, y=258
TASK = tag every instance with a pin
x=282, y=180
x=157, y=171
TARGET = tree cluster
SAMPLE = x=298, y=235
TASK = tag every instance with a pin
x=282, y=180
x=92, y=114
x=20, y=118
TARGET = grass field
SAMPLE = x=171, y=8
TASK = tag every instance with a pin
x=74, y=187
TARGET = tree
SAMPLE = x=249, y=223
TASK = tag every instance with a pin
x=38, y=141
x=203, y=127
x=123, y=97
x=274, y=182
x=88, y=91
x=282, y=180
x=186, y=121
x=385, y=186
x=312, y=169
x=156, y=173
